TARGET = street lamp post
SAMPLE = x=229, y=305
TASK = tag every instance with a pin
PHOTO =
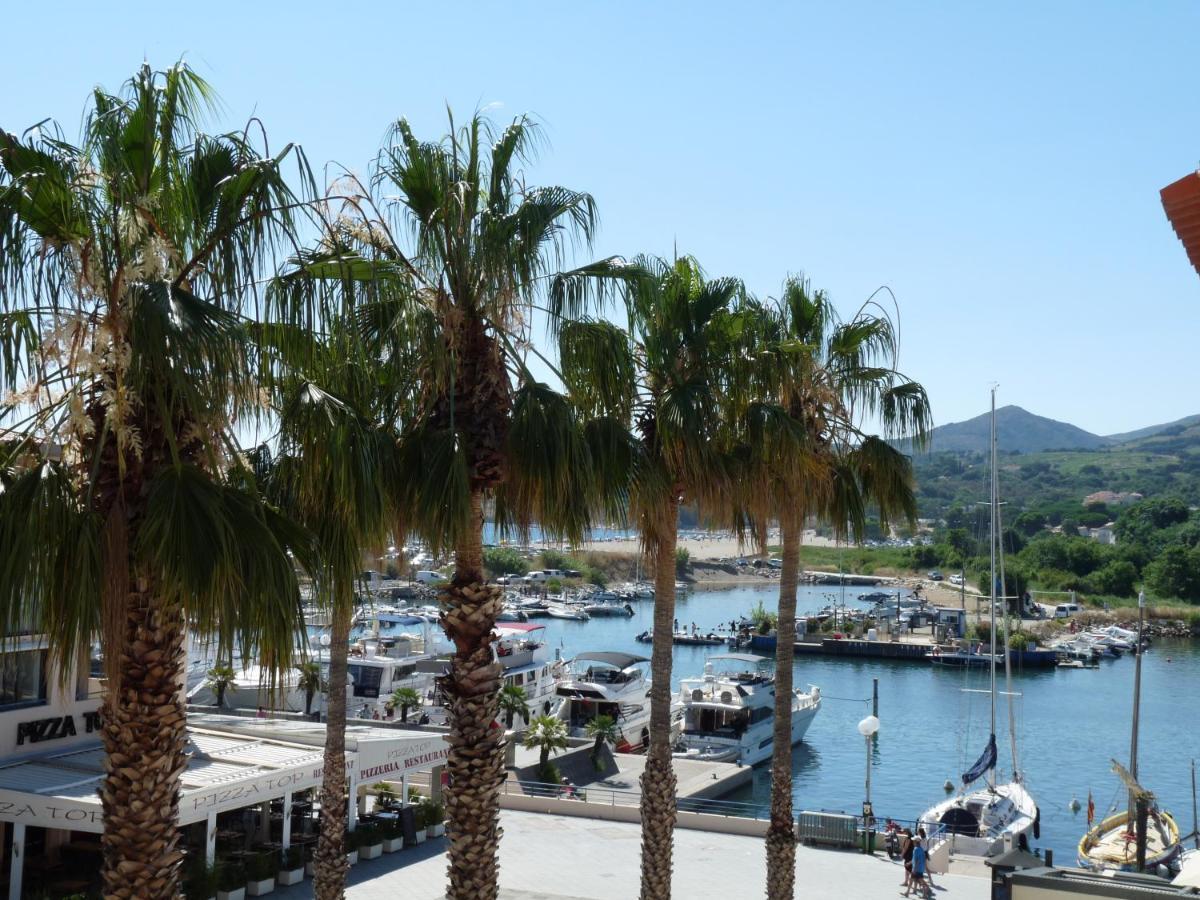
x=868, y=728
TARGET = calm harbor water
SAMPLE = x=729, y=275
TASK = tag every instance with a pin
x=1070, y=723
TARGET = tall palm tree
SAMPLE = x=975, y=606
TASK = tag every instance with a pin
x=666, y=377
x=125, y=263
x=824, y=377
x=455, y=308
x=336, y=468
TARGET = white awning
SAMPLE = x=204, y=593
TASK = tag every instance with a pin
x=381, y=751
x=224, y=772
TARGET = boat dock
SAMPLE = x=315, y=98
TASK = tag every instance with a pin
x=910, y=647
x=695, y=779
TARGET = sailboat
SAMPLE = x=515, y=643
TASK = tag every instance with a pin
x=987, y=820
x=1112, y=845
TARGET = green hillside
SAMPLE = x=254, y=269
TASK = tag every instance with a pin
x=1157, y=465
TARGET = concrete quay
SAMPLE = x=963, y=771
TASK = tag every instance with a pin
x=551, y=857
x=696, y=780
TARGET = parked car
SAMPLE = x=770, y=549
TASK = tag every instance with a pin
x=426, y=576
x=935, y=575
x=956, y=579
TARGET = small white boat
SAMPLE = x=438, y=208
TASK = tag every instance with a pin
x=558, y=611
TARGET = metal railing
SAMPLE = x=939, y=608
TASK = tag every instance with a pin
x=607, y=796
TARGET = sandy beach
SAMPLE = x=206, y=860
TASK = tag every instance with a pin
x=713, y=546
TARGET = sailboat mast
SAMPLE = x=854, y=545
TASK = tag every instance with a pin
x=992, y=575
x=1137, y=701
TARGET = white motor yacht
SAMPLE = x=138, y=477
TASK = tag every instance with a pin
x=607, y=684
x=729, y=713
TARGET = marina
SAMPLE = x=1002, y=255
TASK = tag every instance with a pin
x=923, y=740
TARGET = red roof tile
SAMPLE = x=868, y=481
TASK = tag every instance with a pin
x=1181, y=201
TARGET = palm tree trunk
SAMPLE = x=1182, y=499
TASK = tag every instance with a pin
x=658, y=779
x=781, y=835
x=330, y=856
x=144, y=733
x=475, y=767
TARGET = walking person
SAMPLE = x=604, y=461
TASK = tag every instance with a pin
x=917, y=877
x=928, y=846
x=906, y=852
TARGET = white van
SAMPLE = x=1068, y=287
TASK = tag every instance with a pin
x=1066, y=610
x=537, y=576
x=425, y=576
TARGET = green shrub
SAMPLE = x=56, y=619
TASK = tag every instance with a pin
x=504, y=561
x=292, y=858
x=231, y=875
x=199, y=880
x=683, y=560
x=434, y=812
x=262, y=866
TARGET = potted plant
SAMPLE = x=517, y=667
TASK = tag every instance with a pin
x=370, y=841
x=291, y=865
x=350, y=842
x=231, y=880
x=393, y=835
x=200, y=880
x=419, y=822
x=434, y=814
x=261, y=869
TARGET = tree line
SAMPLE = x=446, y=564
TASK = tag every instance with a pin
x=1156, y=548
x=165, y=291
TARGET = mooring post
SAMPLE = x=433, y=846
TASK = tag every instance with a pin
x=875, y=697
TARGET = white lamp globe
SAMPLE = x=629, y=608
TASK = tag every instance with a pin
x=325, y=642
x=868, y=726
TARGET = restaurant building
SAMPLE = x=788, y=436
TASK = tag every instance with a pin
x=246, y=777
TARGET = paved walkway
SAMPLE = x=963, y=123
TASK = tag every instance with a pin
x=564, y=858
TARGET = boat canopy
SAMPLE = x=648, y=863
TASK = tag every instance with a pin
x=617, y=660
x=396, y=619
x=506, y=629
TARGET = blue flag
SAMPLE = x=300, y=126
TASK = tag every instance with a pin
x=985, y=762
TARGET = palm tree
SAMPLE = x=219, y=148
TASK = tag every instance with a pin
x=406, y=698
x=818, y=378
x=547, y=734
x=220, y=679
x=514, y=702
x=667, y=377
x=455, y=309
x=125, y=264
x=603, y=730
x=336, y=469
x=308, y=680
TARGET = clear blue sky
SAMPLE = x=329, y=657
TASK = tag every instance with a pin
x=997, y=165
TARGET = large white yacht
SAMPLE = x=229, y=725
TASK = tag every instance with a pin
x=607, y=684
x=729, y=713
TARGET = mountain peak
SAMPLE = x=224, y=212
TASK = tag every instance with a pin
x=1017, y=429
